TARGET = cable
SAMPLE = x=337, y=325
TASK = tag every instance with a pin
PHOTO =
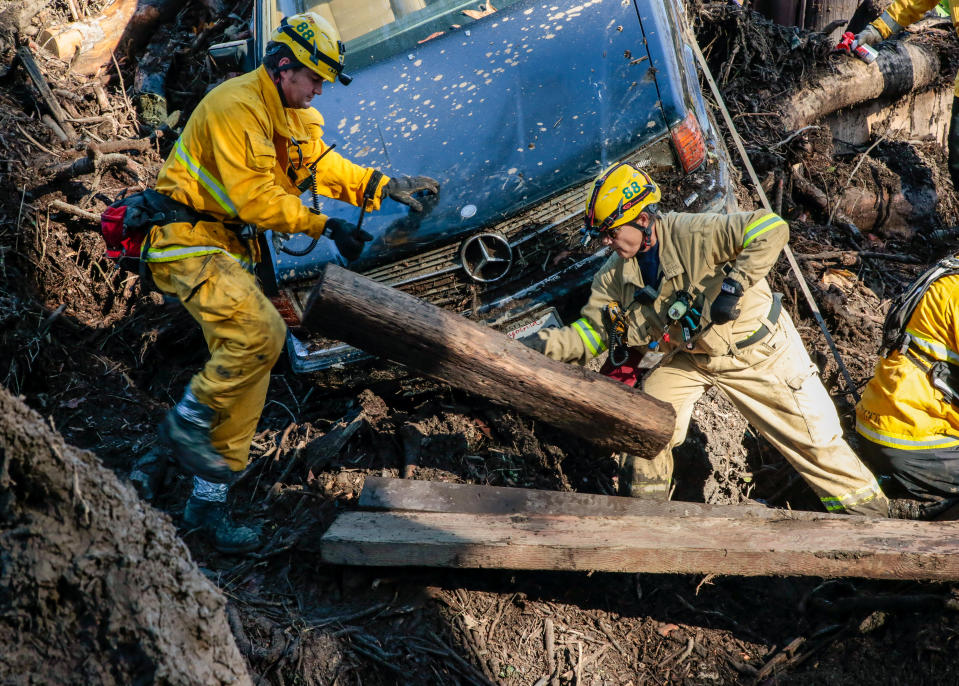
x=694, y=44
x=314, y=191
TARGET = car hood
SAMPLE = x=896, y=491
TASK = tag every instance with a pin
x=523, y=104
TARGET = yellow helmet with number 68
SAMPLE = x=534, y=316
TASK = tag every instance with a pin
x=315, y=44
x=618, y=196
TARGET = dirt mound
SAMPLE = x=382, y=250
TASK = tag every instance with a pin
x=84, y=559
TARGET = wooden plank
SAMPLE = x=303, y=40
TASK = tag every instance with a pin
x=397, y=326
x=380, y=493
x=828, y=547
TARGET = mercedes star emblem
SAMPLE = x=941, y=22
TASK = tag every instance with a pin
x=486, y=257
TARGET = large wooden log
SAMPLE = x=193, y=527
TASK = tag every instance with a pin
x=825, y=547
x=902, y=67
x=90, y=43
x=402, y=328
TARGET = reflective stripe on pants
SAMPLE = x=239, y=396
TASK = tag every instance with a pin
x=777, y=388
x=245, y=335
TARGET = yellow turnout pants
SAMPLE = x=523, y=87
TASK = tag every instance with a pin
x=777, y=388
x=245, y=335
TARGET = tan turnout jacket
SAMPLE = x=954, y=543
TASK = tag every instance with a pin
x=693, y=251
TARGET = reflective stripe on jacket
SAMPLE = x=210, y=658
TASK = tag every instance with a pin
x=899, y=406
x=693, y=249
x=232, y=163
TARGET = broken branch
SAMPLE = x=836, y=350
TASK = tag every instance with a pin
x=60, y=206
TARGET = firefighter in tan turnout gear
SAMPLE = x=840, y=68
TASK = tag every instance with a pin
x=693, y=287
x=248, y=149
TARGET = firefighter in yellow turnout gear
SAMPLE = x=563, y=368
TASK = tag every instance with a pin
x=245, y=150
x=908, y=418
x=693, y=286
x=898, y=16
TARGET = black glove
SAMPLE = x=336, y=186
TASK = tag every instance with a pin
x=869, y=36
x=402, y=188
x=534, y=342
x=348, y=238
x=725, y=307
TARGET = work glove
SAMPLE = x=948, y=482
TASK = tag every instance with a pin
x=869, y=36
x=402, y=188
x=534, y=342
x=348, y=237
x=725, y=307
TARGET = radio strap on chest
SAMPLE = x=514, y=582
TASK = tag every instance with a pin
x=894, y=336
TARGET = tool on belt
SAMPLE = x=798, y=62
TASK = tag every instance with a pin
x=849, y=44
x=685, y=312
x=616, y=329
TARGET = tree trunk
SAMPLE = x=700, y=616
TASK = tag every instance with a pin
x=902, y=67
x=96, y=38
x=96, y=587
x=399, y=327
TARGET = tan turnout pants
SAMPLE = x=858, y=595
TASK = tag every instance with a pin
x=777, y=388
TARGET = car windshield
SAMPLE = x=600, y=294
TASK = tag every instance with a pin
x=375, y=30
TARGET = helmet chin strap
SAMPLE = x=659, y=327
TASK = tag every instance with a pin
x=279, y=89
x=647, y=235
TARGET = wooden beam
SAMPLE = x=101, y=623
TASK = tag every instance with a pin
x=400, y=327
x=380, y=493
x=824, y=547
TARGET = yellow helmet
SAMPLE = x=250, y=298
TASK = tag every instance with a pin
x=619, y=194
x=316, y=45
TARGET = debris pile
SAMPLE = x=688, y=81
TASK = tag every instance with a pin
x=89, y=349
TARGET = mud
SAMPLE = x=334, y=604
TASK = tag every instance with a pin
x=96, y=585
x=99, y=587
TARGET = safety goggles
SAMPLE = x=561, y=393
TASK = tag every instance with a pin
x=591, y=234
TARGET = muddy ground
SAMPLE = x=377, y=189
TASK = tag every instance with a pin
x=86, y=355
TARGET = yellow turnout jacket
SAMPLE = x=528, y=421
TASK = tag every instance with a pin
x=899, y=407
x=234, y=162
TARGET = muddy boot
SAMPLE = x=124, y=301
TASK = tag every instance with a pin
x=875, y=507
x=186, y=431
x=642, y=478
x=149, y=472
x=942, y=510
x=207, y=511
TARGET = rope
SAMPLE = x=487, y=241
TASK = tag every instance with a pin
x=691, y=39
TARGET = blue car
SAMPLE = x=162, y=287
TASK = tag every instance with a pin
x=514, y=108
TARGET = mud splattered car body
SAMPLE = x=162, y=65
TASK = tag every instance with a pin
x=514, y=111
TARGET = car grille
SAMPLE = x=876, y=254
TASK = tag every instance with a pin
x=544, y=240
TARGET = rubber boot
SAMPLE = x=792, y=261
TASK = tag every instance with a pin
x=186, y=431
x=213, y=520
x=643, y=478
x=875, y=507
x=902, y=508
x=149, y=472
